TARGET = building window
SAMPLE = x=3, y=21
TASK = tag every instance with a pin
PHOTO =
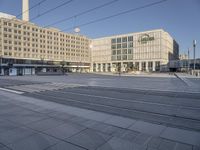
x=119, y=40
x=119, y=57
x=119, y=46
x=124, y=57
x=124, y=51
x=124, y=39
x=130, y=51
x=113, y=47
x=130, y=45
x=118, y=52
x=150, y=66
x=157, y=66
x=113, y=41
x=124, y=45
x=114, y=52
x=130, y=38
x=143, y=66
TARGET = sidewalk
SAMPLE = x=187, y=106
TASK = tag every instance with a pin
x=32, y=124
x=140, y=74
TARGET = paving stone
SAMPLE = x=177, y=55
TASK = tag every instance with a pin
x=89, y=139
x=142, y=139
x=4, y=148
x=78, y=120
x=117, y=144
x=149, y=128
x=35, y=142
x=154, y=142
x=1, y=145
x=65, y=146
x=129, y=135
x=26, y=118
x=105, y=128
x=65, y=130
x=6, y=126
x=15, y=135
x=183, y=136
x=181, y=146
x=97, y=116
x=9, y=109
x=61, y=115
x=89, y=123
x=46, y=124
x=151, y=149
x=120, y=121
x=196, y=148
x=167, y=145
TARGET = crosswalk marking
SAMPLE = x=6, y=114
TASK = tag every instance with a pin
x=31, y=88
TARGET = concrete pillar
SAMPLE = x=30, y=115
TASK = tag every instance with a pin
x=147, y=66
x=25, y=10
x=106, y=67
x=101, y=68
x=154, y=66
x=140, y=66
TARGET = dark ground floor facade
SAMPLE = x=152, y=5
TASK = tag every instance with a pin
x=32, y=67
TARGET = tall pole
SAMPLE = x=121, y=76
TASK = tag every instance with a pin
x=0, y=64
x=194, y=46
x=188, y=59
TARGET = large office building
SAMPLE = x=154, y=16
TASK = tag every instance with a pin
x=26, y=48
x=142, y=51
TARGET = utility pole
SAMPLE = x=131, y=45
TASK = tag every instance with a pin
x=0, y=64
x=194, y=46
x=188, y=59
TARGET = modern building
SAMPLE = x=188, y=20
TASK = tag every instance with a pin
x=183, y=56
x=184, y=65
x=142, y=51
x=26, y=48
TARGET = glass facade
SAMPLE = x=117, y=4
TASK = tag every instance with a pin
x=122, y=48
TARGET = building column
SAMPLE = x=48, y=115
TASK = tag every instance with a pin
x=140, y=66
x=110, y=67
x=154, y=66
x=147, y=66
x=101, y=67
x=106, y=67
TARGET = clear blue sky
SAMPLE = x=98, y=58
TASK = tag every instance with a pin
x=181, y=18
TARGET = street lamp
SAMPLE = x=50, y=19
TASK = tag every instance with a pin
x=194, y=46
x=0, y=64
x=188, y=59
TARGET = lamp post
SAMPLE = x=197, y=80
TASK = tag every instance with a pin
x=0, y=64
x=194, y=46
x=188, y=59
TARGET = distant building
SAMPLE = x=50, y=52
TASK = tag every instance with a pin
x=142, y=51
x=184, y=65
x=183, y=56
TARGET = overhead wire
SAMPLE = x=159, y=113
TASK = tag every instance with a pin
x=82, y=13
x=38, y=4
x=48, y=11
x=117, y=14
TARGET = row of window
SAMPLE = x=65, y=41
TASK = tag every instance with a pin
x=122, y=57
x=122, y=39
x=36, y=31
x=123, y=51
x=123, y=45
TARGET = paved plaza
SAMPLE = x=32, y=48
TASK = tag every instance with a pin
x=99, y=112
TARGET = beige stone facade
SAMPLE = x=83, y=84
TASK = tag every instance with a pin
x=29, y=41
x=25, y=44
x=142, y=51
